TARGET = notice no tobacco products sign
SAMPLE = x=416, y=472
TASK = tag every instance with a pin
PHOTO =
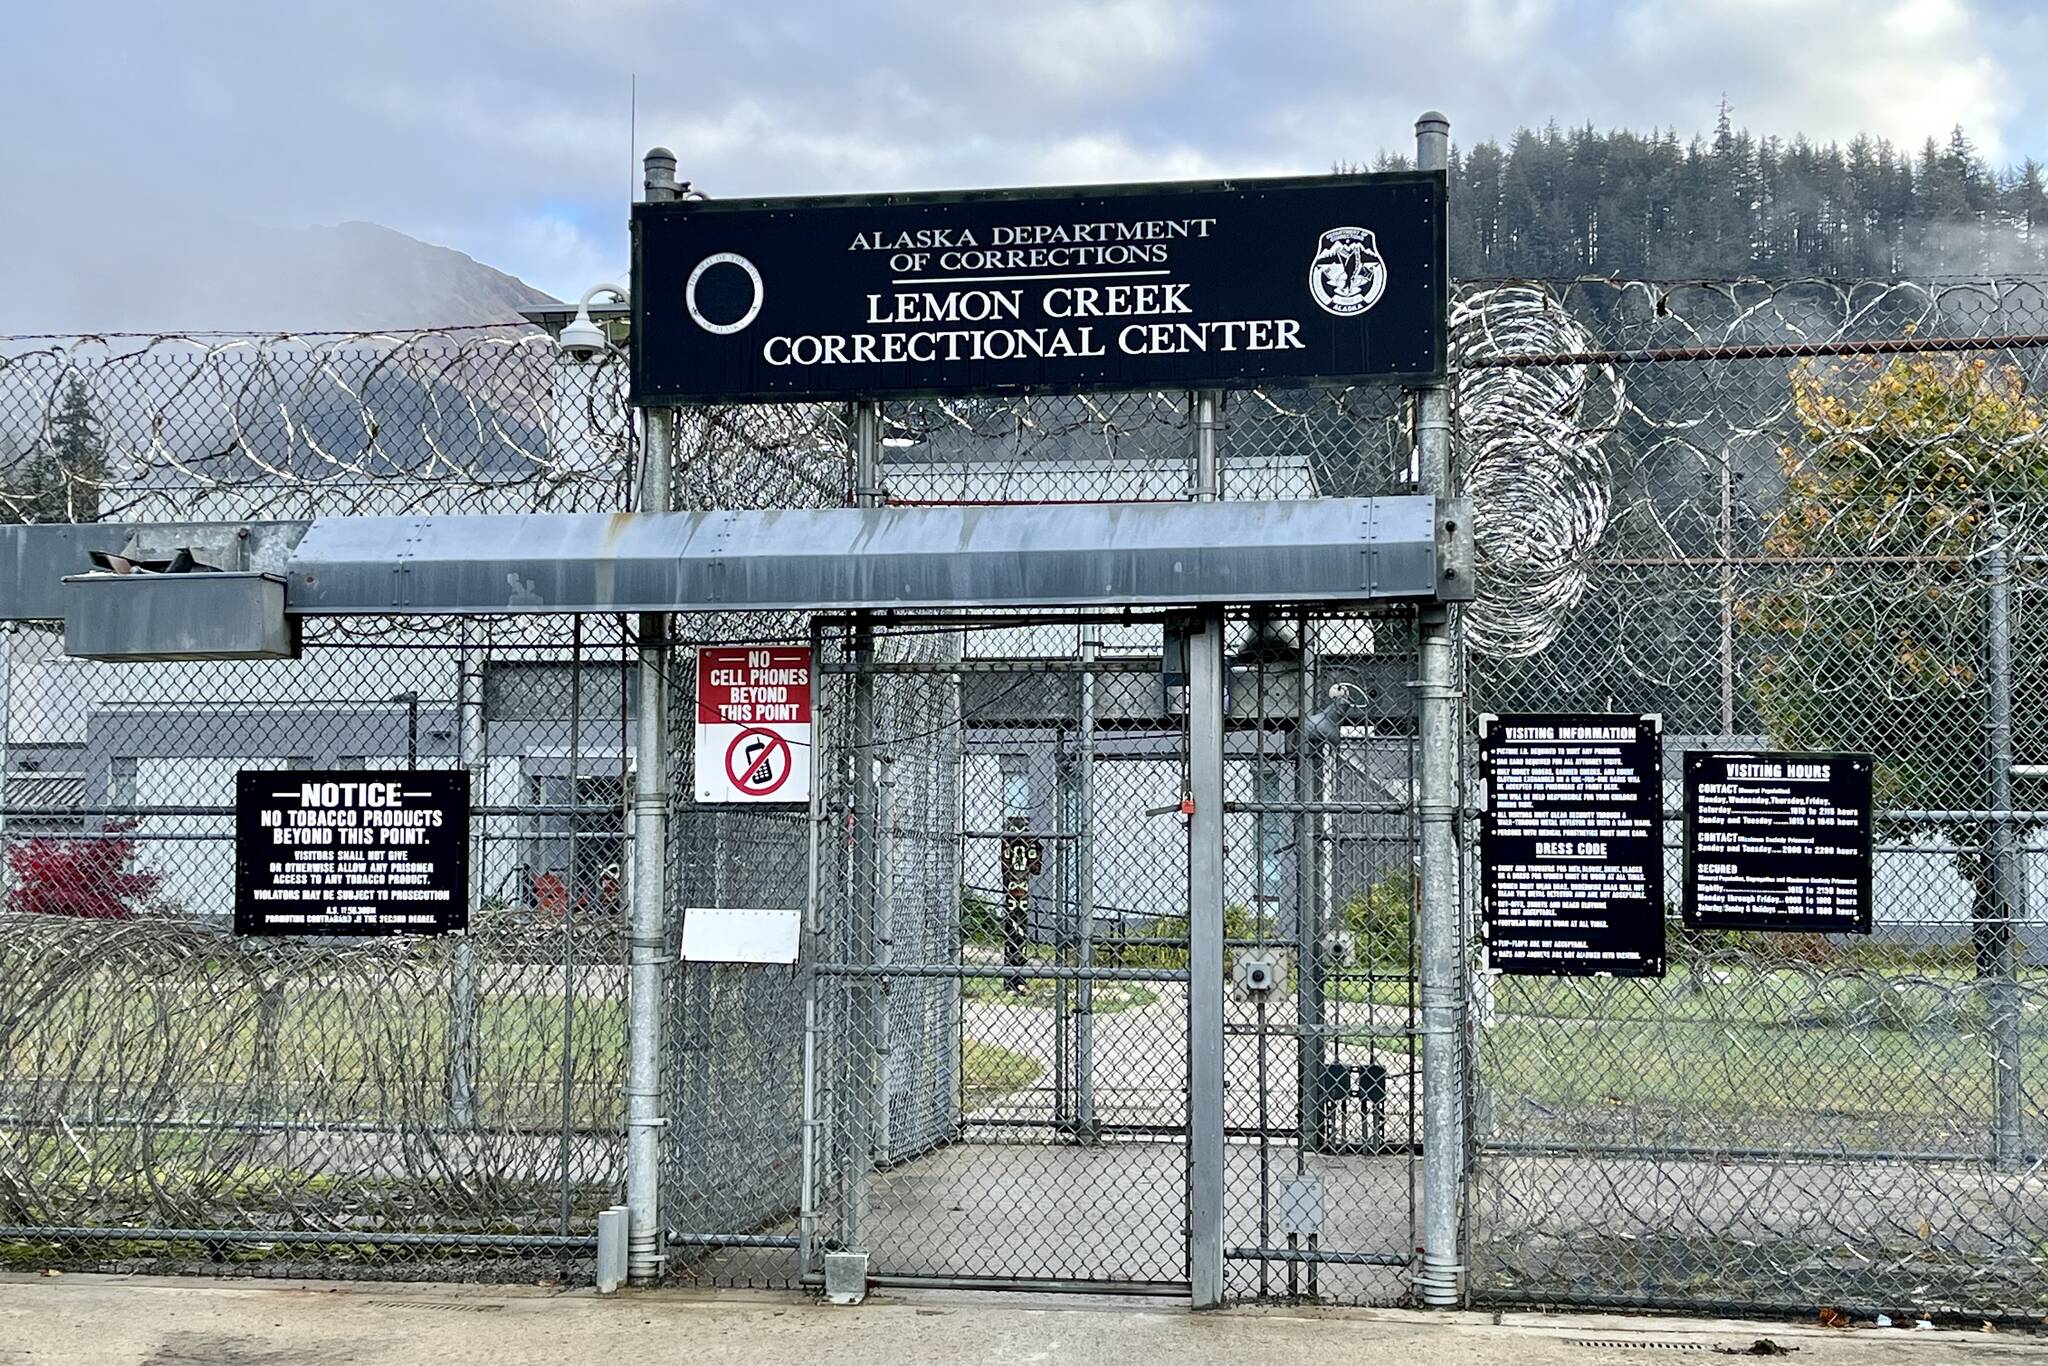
x=754, y=723
x=350, y=852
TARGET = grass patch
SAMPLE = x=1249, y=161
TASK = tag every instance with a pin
x=1755, y=1043
x=382, y=1047
x=1396, y=1045
x=1110, y=998
x=988, y=1073
x=1374, y=991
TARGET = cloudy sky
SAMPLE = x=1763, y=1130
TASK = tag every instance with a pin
x=500, y=127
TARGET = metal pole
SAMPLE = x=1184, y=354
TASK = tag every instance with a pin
x=469, y=726
x=1996, y=958
x=814, y=947
x=885, y=947
x=1062, y=890
x=1208, y=479
x=645, y=936
x=575, y=805
x=1308, y=919
x=862, y=1090
x=1205, y=958
x=1084, y=895
x=6, y=756
x=1439, y=1277
x=1727, y=590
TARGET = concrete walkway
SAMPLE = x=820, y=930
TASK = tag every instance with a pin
x=108, y=1321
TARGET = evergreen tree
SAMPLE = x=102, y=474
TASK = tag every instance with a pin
x=64, y=478
x=1621, y=204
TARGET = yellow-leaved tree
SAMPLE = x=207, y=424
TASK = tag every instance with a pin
x=1869, y=630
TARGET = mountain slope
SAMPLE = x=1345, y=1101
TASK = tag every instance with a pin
x=191, y=276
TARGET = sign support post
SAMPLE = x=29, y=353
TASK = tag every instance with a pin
x=645, y=917
x=1440, y=956
x=1205, y=959
x=865, y=1092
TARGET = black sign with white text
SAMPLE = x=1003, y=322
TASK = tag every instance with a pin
x=1571, y=845
x=351, y=852
x=1778, y=842
x=1175, y=286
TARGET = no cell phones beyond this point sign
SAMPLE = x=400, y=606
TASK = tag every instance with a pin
x=754, y=723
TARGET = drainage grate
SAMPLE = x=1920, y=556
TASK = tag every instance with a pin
x=451, y=1305
x=1640, y=1344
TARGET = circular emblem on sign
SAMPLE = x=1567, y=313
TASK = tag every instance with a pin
x=758, y=761
x=1348, y=274
x=724, y=293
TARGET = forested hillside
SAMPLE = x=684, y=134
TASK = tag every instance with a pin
x=1565, y=202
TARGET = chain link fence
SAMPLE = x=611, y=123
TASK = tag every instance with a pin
x=176, y=1097
x=1799, y=516
x=1804, y=514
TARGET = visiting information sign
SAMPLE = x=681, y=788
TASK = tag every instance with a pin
x=753, y=723
x=1571, y=845
x=1778, y=842
x=1174, y=286
x=351, y=852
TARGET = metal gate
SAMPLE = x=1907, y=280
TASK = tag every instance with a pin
x=979, y=1074
x=1322, y=1069
x=1000, y=955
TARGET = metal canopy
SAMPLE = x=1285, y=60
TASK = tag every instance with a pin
x=1071, y=555
x=1013, y=556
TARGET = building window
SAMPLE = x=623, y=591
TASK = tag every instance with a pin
x=121, y=781
x=1016, y=789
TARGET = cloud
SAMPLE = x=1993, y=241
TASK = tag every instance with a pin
x=1094, y=52
x=500, y=127
x=1901, y=69
x=1094, y=159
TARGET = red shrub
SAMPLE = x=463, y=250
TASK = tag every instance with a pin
x=91, y=879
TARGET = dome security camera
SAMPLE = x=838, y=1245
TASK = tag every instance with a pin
x=583, y=340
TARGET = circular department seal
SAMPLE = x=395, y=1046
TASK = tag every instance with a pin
x=724, y=293
x=1348, y=274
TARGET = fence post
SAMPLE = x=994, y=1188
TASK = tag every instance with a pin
x=6, y=739
x=1205, y=908
x=1996, y=950
x=1205, y=958
x=864, y=1090
x=645, y=935
x=815, y=948
x=1084, y=895
x=1440, y=1275
x=472, y=755
x=1310, y=1004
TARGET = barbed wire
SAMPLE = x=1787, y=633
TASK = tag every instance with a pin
x=203, y=426
x=1534, y=463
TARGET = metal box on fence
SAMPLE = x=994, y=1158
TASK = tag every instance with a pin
x=177, y=616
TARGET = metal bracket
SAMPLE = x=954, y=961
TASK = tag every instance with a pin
x=1456, y=574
